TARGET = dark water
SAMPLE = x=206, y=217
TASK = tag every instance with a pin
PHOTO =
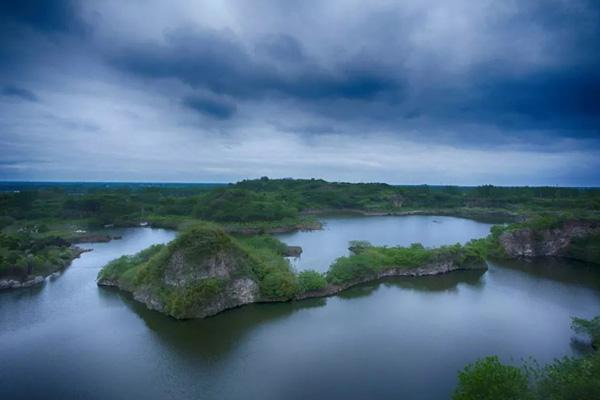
x=321, y=248
x=400, y=339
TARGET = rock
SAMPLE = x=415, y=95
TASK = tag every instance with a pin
x=527, y=242
x=293, y=251
x=9, y=283
x=201, y=273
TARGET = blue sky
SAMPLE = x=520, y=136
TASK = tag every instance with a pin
x=439, y=92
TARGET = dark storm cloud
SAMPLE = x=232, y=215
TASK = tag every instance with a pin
x=565, y=100
x=214, y=108
x=21, y=93
x=218, y=61
x=473, y=76
x=563, y=97
x=42, y=15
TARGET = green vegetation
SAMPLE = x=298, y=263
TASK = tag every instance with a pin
x=206, y=245
x=368, y=260
x=317, y=194
x=489, y=379
x=310, y=280
x=22, y=255
x=121, y=267
x=271, y=202
x=568, y=378
x=586, y=249
x=240, y=205
x=275, y=205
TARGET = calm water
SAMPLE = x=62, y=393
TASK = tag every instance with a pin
x=403, y=338
x=321, y=248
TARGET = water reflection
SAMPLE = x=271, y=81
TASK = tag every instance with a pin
x=214, y=337
x=555, y=269
x=440, y=283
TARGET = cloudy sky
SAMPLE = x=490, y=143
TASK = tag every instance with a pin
x=414, y=91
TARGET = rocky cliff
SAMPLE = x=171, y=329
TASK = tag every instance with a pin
x=561, y=240
x=203, y=272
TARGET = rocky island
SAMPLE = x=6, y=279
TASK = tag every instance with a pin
x=205, y=271
x=577, y=239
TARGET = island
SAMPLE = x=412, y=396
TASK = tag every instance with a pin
x=205, y=270
x=41, y=224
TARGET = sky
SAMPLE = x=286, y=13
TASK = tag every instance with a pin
x=405, y=92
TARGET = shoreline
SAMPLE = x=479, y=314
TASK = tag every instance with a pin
x=34, y=280
x=476, y=214
x=430, y=269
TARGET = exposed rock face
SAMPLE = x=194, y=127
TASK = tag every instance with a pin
x=547, y=242
x=10, y=283
x=183, y=277
x=192, y=284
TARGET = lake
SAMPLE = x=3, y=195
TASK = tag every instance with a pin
x=401, y=338
x=321, y=248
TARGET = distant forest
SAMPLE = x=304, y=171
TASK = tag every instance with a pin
x=268, y=200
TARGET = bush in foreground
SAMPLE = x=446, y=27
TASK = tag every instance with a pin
x=568, y=378
x=489, y=379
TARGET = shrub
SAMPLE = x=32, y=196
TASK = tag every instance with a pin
x=571, y=379
x=311, y=280
x=180, y=303
x=489, y=379
x=279, y=284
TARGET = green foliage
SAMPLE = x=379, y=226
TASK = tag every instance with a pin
x=240, y=205
x=279, y=284
x=589, y=327
x=262, y=205
x=202, y=240
x=121, y=266
x=24, y=255
x=273, y=272
x=570, y=379
x=258, y=257
x=310, y=280
x=265, y=242
x=181, y=302
x=489, y=379
x=585, y=249
x=357, y=246
x=369, y=260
